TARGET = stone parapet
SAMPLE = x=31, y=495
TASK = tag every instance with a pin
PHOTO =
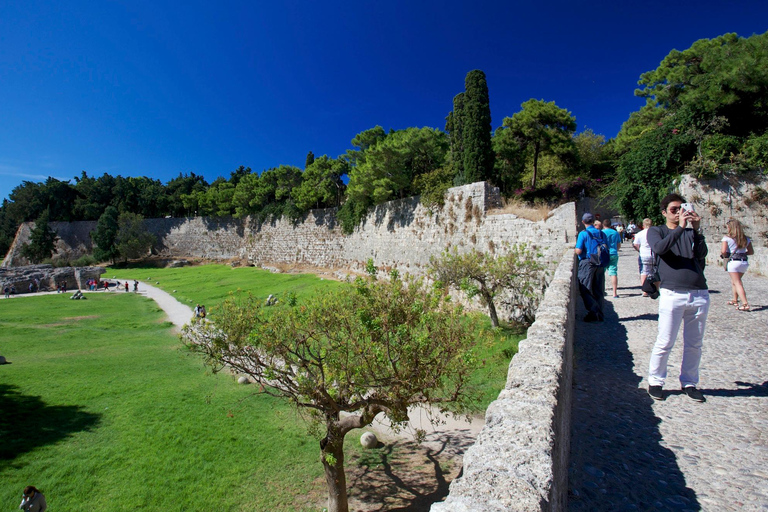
x=520, y=459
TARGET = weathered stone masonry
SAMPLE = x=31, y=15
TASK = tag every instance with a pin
x=400, y=234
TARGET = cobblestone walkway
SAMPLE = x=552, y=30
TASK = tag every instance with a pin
x=631, y=453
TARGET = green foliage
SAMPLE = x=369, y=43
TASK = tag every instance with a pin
x=756, y=151
x=105, y=236
x=42, y=241
x=133, y=240
x=645, y=173
x=433, y=186
x=321, y=184
x=352, y=213
x=379, y=346
x=726, y=75
x=539, y=128
x=719, y=87
x=310, y=160
x=389, y=167
x=475, y=122
x=518, y=274
x=454, y=125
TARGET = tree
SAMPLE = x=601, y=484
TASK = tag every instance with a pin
x=541, y=127
x=519, y=273
x=310, y=159
x=321, y=184
x=375, y=347
x=454, y=125
x=476, y=129
x=391, y=166
x=105, y=236
x=133, y=240
x=42, y=241
x=725, y=76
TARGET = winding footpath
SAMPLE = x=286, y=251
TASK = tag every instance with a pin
x=629, y=452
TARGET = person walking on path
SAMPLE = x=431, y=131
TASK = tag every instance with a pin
x=33, y=500
x=646, y=260
x=684, y=298
x=614, y=244
x=591, y=277
x=736, y=247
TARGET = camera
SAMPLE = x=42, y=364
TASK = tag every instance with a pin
x=687, y=207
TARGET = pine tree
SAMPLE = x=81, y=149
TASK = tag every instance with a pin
x=476, y=127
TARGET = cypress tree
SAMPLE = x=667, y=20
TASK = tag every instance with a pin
x=453, y=125
x=42, y=240
x=476, y=127
x=310, y=160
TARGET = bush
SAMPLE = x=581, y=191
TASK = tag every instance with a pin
x=85, y=261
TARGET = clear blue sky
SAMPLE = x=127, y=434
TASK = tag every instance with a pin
x=158, y=88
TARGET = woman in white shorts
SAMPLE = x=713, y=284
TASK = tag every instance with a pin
x=736, y=247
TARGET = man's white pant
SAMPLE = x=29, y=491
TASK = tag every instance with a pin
x=689, y=308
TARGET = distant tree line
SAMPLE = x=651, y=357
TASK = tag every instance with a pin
x=706, y=114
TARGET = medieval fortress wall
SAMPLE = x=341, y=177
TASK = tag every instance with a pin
x=400, y=234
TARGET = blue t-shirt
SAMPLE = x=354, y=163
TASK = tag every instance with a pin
x=583, y=238
x=614, y=239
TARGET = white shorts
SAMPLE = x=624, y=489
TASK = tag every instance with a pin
x=738, y=266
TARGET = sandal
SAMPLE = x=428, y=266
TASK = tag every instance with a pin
x=744, y=307
x=733, y=302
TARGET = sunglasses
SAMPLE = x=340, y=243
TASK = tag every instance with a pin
x=673, y=209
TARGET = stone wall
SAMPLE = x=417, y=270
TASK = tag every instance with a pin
x=743, y=199
x=399, y=234
x=519, y=461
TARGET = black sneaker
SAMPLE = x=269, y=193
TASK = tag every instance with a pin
x=694, y=394
x=655, y=392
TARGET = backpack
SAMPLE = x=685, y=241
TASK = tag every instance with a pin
x=597, y=250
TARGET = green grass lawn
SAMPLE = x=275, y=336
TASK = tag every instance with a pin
x=210, y=284
x=102, y=408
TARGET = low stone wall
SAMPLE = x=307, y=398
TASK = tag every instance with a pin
x=520, y=459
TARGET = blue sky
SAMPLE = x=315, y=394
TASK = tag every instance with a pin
x=159, y=88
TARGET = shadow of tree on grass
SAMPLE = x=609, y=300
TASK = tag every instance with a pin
x=26, y=422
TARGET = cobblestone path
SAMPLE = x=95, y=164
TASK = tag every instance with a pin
x=629, y=452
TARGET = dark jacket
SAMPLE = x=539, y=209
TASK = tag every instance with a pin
x=681, y=256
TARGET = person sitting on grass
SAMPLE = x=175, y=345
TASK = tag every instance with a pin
x=33, y=500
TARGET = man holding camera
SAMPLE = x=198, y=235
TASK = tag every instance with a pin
x=684, y=298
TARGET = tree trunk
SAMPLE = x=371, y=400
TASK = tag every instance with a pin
x=334, y=472
x=535, y=165
x=492, y=312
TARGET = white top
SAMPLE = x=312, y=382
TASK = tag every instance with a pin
x=732, y=245
x=641, y=241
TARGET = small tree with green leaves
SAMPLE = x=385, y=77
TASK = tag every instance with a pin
x=518, y=274
x=42, y=240
x=105, y=235
x=374, y=347
x=133, y=240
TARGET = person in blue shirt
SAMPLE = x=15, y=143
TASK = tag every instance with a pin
x=591, y=277
x=614, y=244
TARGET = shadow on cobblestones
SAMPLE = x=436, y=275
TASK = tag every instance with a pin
x=618, y=461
